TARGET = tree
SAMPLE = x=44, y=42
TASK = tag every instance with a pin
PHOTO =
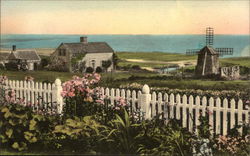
x=115, y=60
x=44, y=62
x=106, y=64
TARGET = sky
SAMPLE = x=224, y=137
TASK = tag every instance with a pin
x=124, y=17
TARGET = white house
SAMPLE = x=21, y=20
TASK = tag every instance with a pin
x=88, y=54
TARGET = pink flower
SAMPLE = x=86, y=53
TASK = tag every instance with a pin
x=71, y=94
x=100, y=101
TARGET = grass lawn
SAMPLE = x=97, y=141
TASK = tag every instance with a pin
x=38, y=75
x=151, y=56
x=155, y=56
x=160, y=56
x=123, y=63
x=242, y=61
x=161, y=82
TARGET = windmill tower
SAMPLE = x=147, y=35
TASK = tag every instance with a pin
x=208, y=57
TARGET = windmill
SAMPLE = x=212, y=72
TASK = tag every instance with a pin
x=208, y=57
x=210, y=42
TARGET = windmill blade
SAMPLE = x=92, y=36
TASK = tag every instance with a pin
x=209, y=36
x=192, y=51
x=224, y=51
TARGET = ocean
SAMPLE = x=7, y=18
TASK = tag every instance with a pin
x=133, y=43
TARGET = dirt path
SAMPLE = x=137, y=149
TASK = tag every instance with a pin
x=179, y=63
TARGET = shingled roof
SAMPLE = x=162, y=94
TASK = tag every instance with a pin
x=24, y=55
x=3, y=56
x=209, y=50
x=90, y=47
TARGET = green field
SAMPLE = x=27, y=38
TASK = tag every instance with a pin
x=166, y=57
x=151, y=56
x=242, y=61
x=155, y=56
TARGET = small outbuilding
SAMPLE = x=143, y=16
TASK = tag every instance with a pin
x=28, y=59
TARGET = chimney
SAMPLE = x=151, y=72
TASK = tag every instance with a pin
x=83, y=39
x=14, y=48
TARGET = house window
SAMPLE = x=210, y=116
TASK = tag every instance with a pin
x=62, y=52
x=93, y=64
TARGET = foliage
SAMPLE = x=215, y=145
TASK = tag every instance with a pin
x=98, y=69
x=44, y=62
x=77, y=135
x=136, y=67
x=89, y=70
x=167, y=139
x=116, y=60
x=106, y=64
x=58, y=64
x=21, y=129
x=11, y=66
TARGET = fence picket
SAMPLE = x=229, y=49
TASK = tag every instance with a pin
x=225, y=120
x=153, y=103
x=133, y=100
x=210, y=112
x=184, y=110
x=112, y=96
x=197, y=112
x=232, y=114
x=165, y=108
x=217, y=113
x=17, y=89
x=178, y=102
x=240, y=113
x=190, y=115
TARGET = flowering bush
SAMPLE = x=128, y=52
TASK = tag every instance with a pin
x=79, y=93
x=233, y=144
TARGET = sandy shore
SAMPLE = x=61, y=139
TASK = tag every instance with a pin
x=179, y=63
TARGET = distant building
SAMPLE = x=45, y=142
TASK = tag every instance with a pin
x=208, y=62
x=4, y=57
x=230, y=73
x=27, y=58
x=79, y=56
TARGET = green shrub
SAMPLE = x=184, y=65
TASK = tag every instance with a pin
x=21, y=129
x=78, y=135
x=98, y=70
x=89, y=70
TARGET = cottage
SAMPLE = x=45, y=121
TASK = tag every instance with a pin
x=79, y=56
x=26, y=59
x=208, y=62
x=3, y=57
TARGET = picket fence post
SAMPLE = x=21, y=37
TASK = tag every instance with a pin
x=144, y=101
x=57, y=97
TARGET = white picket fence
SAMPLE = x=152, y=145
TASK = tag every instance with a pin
x=224, y=113
x=37, y=94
